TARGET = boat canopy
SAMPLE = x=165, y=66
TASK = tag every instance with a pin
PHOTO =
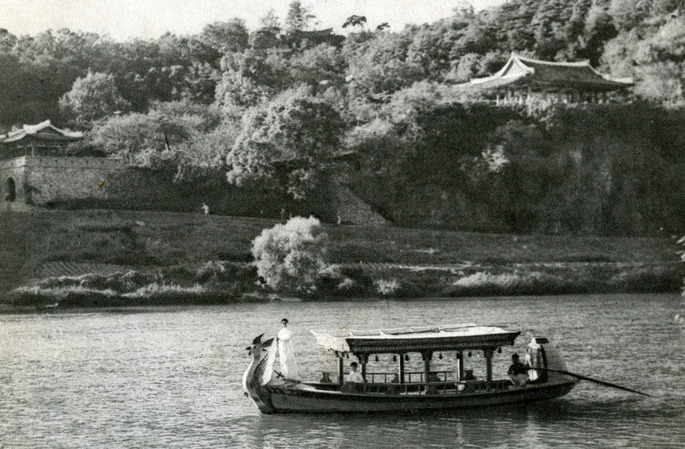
x=417, y=339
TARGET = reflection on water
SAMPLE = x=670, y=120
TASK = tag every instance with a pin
x=170, y=377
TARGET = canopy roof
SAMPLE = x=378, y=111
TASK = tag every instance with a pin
x=42, y=131
x=520, y=71
x=417, y=339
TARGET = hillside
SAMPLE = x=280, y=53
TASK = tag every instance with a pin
x=94, y=250
x=279, y=114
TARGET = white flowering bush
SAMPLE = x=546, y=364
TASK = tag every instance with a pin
x=291, y=255
x=386, y=287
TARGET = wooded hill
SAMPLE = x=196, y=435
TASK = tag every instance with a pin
x=280, y=105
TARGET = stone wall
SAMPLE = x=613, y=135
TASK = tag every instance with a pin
x=350, y=208
x=55, y=179
x=88, y=182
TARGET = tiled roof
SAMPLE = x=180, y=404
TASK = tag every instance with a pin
x=526, y=71
x=43, y=130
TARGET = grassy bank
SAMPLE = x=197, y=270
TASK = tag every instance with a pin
x=97, y=258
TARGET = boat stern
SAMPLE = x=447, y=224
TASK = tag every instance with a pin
x=552, y=361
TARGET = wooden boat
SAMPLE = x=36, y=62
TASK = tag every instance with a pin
x=410, y=391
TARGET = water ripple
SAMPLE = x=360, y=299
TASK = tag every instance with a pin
x=170, y=378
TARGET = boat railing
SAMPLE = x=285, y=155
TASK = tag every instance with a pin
x=409, y=377
x=392, y=377
x=442, y=382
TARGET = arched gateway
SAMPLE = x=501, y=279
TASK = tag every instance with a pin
x=10, y=190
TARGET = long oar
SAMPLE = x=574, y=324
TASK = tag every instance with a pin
x=597, y=381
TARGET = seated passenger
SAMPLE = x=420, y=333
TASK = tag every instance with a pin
x=325, y=378
x=518, y=372
x=468, y=375
x=432, y=389
x=354, y=376
x=394, y=388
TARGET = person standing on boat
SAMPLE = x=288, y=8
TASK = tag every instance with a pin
x=285, y=352
x=534, y=360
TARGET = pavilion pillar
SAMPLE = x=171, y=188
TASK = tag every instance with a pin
x=401, y=369
x=488, y=366
x=341, y=374
x=427, y=355
x=363, y=359
x=460, y=365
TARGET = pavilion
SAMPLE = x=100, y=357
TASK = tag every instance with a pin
x=526, y=81
x=42, y=139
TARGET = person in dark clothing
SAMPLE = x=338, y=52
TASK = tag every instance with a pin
x=518, y=372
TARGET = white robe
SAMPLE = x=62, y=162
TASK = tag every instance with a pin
x=286, y=354
x=534, y=359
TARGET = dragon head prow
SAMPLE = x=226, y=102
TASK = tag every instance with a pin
x=257, y=346
x=253, y=378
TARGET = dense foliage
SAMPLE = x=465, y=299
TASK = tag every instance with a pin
x=276, y=105
x=291, y=255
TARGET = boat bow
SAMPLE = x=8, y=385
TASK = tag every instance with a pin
x=258, y=373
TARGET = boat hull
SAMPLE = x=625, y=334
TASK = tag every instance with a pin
x=306, y=399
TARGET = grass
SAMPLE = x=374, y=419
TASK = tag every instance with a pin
x=159, y=238
x=169, y=252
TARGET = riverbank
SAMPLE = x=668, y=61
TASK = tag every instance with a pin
x=104, y=258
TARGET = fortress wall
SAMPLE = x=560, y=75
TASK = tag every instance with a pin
x=89, y=182
x=54, y=179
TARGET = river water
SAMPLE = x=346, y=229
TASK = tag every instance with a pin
x=170, y=377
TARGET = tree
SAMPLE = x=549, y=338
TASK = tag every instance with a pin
x=142, y=138
x=265, y=38
x=291, y=255
x=93, y=97
x=298, y=18
x=379, y=66
x=250, y=78
x=320, y=67
x=270, y=20
x=599, y=29
x=286, y=144
x=7, y=40
x=231, y=36
x=10, y=81
x=355, y=21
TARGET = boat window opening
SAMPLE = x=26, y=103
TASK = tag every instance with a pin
x=424, y=374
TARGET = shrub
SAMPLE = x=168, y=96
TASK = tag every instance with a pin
x=156, y=290
x=291, y=255
x=387, y=287
x=339, y=280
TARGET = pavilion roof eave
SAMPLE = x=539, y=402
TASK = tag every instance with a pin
x=441, y=338
x=42, y=131
x=40, y=137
